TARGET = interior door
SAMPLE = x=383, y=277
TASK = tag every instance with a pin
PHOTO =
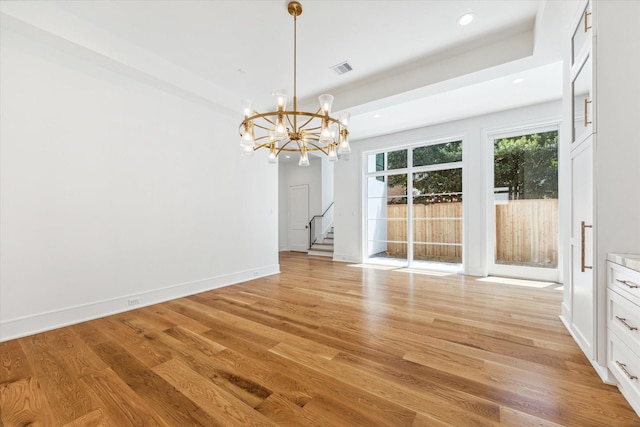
x=583, y=300
x=299, y=218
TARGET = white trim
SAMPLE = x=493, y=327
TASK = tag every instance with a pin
x=28, y=325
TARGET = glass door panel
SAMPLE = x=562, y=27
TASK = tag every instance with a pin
x=387, y=217
x=526, y=200
x=414, y=205
x=582, y=106
x=581, y=35
x=437, y=216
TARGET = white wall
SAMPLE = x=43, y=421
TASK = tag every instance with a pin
x=476, y=160
x=283, y=208
x=326, y=175
x=617, y=146
x=113, y=188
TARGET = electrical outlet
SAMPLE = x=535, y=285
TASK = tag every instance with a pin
x=134, y=301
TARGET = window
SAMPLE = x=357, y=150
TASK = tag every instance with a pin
x=414, y=203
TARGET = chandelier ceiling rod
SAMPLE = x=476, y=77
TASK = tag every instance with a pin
x=295, y=10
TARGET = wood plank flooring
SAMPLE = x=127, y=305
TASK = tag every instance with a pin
x=321, y=344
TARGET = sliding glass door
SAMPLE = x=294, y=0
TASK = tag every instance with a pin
x=414, y=204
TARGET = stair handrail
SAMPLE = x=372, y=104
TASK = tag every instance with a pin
x=312, y=225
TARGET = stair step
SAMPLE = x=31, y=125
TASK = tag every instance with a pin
x=324, y=246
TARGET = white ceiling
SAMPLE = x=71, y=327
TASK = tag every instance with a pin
x=412, y=63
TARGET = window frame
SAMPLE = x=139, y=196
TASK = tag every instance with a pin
x=408, y=172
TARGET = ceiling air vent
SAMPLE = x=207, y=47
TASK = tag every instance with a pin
x=341, y=68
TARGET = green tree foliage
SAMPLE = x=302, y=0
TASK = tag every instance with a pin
x=397, y=159
x=430, y=187
x=442, y=186
x=527, y=166
x=449, y=152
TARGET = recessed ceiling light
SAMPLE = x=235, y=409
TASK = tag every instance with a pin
x=518, y=80
x=287, y=156
x=466, y=19
x=376, y=116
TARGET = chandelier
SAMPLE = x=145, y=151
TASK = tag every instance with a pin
x=293, y=130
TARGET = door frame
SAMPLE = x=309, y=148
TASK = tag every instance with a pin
x=295, y=242
x=522, y=272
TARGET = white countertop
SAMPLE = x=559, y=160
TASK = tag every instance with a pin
x=631, y=261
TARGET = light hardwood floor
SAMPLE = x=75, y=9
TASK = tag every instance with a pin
x=321, y=344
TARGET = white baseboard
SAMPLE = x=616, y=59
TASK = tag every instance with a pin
x=33, y=324
x=347, y=258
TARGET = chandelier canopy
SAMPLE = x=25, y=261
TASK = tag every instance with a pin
x=293, y=130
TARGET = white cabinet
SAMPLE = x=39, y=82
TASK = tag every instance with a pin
x=624, y=325
x=583, y=301
x=582, y=295
x=581, y=77
x=601, y=156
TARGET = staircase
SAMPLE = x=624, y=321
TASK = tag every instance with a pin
x=324, y=246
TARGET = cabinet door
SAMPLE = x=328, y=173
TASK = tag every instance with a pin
x=582, y=283
x=581, y=39
x=582, y=100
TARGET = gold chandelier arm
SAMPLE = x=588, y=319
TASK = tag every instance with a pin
x=311, y=117
x=264, y=116
x=316, y=147
x=262, y=145
x=263, y=127
x=293, y=125
x=283, y=147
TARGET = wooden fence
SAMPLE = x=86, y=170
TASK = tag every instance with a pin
x=437, y=231
x=526, y=232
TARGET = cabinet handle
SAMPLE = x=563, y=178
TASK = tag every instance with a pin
x=628, y=284
x=624, y=322
x=624, y=369
x=587, y=27
x=587, y=122
x=582, y=266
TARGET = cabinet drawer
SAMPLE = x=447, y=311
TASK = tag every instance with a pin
x=625, y=366
x=624, y=281
x=624, y=320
